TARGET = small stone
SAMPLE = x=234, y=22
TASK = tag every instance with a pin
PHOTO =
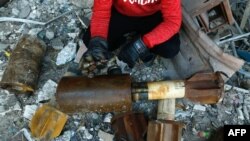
x=34, y=31
x=65, y=137
x=87, y=135
x=34, y=14
x=29, y=111
x=107, y=118
x=15, y=11
x=23, y=135
x=83, y=3
x=95, y=116
x=25, y=12
x=199, y=108
x=3, y=46
x=47, y=92
x=105, y=136
x=66, y=54
x=50, y=34
x=2, y=109
x=73, y=35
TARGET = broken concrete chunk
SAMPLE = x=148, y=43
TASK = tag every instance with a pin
x=108, y=118
x=15, y=11
x=240, y=113
x=23, y=134
x=83, y=3
x=86, y=134
x=3, y=46
x=47, y=92
x=199, y=108
x=105, y=136
x=29, y=111
x=57, y=44
x=73, y=35
x=34, y=31
x=66, y=54
x=65, y=137
x=25, y=11
x=50, y=34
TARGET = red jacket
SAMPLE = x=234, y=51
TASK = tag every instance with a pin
x=171, y=13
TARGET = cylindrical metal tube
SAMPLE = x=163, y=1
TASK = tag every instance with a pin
x=158, y=90
x=24, y=65
x=98, y=94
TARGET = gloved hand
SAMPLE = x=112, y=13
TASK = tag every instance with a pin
x=131, y=52
x=97, y=50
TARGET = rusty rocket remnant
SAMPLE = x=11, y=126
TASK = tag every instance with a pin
x=24, y=65
x=130, y=127
x=99, y=94
x=206, y=88
x=116, y=92
x=161, y=130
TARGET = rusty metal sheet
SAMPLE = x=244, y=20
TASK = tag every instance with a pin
x=47, y=123
x=130, y=127
x=98, y=94
x=161, y=130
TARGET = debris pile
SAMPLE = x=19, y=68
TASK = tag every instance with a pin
x=58, y=25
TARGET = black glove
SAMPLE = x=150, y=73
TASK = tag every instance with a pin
x=131, y=52
x=97, y=50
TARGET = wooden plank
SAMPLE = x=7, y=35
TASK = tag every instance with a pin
x=245, y=16
x=80, y=52
x=228, y=11
x=166, y=109
x=196, y=7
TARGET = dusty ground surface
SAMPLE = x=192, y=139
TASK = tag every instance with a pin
x=198, y=119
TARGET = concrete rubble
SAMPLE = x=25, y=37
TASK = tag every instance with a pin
x=63, y=37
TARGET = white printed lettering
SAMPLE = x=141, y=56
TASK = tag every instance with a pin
x=231, y=132
x=243, y=131
x=141, y=2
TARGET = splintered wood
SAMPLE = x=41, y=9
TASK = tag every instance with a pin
x=47, y=123
x=24, y=65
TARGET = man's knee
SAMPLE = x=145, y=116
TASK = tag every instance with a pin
x=168, y=49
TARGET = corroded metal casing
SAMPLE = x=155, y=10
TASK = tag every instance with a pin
x=205, y=88
x=98, y=94
x=130, y=127
x=24, y=65
x=47, y=123
x=161, y=130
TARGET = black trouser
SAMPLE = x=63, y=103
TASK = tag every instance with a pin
x=120, y=25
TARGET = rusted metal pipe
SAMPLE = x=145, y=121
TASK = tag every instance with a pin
x=99, y=94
